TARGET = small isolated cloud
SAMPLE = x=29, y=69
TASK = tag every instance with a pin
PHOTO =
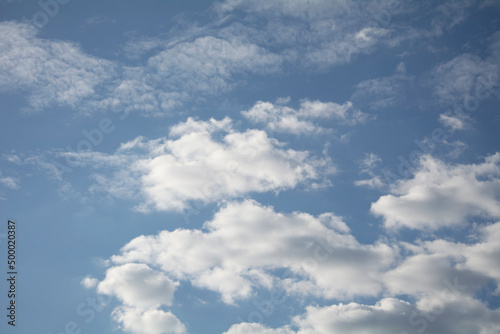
x=454, y=122
x=10, y=182
x=204, y=161
x=441, y=195
x=89, y=282
x=280, y=118
x=368, y=166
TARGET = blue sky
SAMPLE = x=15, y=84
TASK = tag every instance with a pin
x=239, y=166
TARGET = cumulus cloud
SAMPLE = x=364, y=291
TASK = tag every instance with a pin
x=138, y=321
x=441, y=195
x=245, y=241
x=281, y=118
x=194, y=165
x=473, y=265
x=142, y=290
x=136, y=284
x=242, y=247
x=451, y=315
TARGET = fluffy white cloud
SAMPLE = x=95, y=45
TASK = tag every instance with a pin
x=193, y=165
x=245, y=241
x=452, y=314
x=139, y=321
x=281, y=118
x=472, y=265
x=441, y=195
x=243, y=245
x=443, y=276
x=136, y=284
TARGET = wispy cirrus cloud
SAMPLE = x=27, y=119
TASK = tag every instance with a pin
x=50, y=72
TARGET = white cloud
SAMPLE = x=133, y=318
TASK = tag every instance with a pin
x=168, y=174
x=474, y=265
x=384, y=92
x=245, y=241
x=453, y=122
x=465, y=81
x=318, y=34
x=368, y=166
x=255, y=328
x=240, y=249
x=53, y=72
x=448, y=314
x=60, y=73
x=10, y=182
x=143, y=291
x=281, y=118
x=136, y=284
x=89, y=282
x=209, y=64
x=441, y=195
x=139, y=321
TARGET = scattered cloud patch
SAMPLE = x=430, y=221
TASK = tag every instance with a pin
x=442, y=195
x=280, y=118
x=205, y=161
